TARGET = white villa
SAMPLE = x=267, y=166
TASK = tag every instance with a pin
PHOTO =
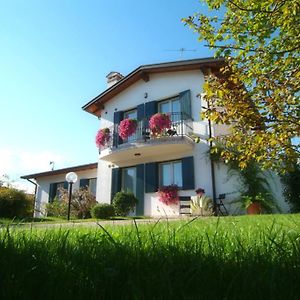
x=143, y=162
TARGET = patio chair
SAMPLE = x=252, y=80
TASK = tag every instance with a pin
x=220, y=207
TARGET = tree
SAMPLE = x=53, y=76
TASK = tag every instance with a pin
x=257, y=91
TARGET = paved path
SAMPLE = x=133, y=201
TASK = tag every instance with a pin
x=73, y=224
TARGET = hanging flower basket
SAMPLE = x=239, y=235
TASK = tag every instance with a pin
x=127, y=128
x=159, y=122
x=102, y=137
x=168, y=194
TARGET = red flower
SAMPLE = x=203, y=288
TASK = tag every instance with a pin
x=102, y=137
x=159, y=122
x=168, y=194
x=127, y=128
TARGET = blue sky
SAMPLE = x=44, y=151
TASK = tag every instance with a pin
x=54, y=56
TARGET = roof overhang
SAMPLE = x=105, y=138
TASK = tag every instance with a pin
x=61, y=171
x=96, y=105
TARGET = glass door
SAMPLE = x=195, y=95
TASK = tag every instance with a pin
x=129, y=182
x=132, y=114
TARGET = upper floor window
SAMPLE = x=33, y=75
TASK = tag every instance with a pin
x=131, y=114
x=170, y=173
x=171, y=105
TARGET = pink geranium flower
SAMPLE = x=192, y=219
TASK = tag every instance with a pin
x=159, y=122
x=102, y=137
x=127, y=128
x=168, y=194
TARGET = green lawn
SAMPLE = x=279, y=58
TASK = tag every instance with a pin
x=245, y=257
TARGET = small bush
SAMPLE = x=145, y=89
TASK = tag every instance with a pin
x=81, y=204
x=57, y=208
x=123, y=203
x=103, y=211
x=15, y=203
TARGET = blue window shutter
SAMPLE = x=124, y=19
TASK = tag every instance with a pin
x=140, y=183
x=84, y=183
x=150, y=108
x=140, y=112
x=66, y=185
x=52, y=191
x=115, y=182
x=188, y=179
x=186, y=105
x=151, y=177
x=118, y=117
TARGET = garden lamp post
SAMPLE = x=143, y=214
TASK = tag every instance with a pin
x=71, y=178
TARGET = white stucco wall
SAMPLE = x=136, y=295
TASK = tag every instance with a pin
x=43, y=185
x=104, y=182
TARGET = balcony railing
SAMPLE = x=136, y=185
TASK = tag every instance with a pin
x=180, y=126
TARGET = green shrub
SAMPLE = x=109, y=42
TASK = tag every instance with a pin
x=15, y=203
x=57, y=208
x=103, y=211
x=291, y=189
x=123, y=203
x=81, y=204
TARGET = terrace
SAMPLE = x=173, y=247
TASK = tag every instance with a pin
x=143, y=142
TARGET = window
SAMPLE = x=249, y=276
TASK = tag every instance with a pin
x=129, y=180
x=93, y=186
x=55, y=189
x=131, y=114
x=171, y=105
x=90, y=184
x=170, y=173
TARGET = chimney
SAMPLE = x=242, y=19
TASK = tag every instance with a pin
x=113, y=78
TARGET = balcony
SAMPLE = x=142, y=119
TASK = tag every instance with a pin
x=144, y=146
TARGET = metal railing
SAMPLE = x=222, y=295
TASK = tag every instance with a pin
x=181, y=126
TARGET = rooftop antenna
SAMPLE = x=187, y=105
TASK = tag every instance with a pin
x=182, y=50
x=51, y=163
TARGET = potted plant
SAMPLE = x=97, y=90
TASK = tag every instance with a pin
x=255, y=193
x=127, y=128
x=201, y=205
x=159, y=122
x=102, y=137
x=168, y=194
x=254, y=205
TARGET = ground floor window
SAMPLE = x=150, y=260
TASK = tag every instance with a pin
x=90, y=184
x=55, y=189
x=170, y=173
x=93, y=186
x=129, y=180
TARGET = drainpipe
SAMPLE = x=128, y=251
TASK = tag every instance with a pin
x=35, y=190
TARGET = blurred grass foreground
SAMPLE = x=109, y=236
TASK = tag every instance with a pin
x=243, y=257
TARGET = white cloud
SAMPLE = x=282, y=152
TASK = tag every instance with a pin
x=17, y=163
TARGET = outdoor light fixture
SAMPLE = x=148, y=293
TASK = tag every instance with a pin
x=71, y=178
